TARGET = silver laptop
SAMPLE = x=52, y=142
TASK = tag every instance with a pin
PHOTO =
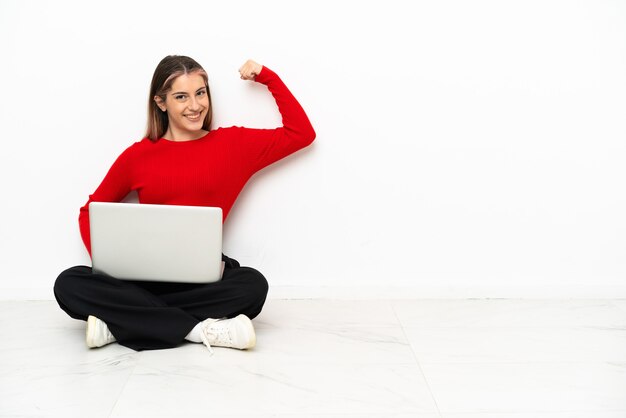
x=132, y=241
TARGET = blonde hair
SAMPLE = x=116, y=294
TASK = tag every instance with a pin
x=168, y=70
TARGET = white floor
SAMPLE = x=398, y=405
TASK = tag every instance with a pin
x=334, y=358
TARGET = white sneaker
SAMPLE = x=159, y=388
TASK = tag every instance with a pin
x=237, y=332
x=98, y=333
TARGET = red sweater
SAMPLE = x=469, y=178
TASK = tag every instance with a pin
x=209, y=171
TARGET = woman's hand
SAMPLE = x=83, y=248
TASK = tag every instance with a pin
x=250, y=70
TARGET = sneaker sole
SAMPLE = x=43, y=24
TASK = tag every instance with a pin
x=94, y=333
x=247, y=323
x=91, y=333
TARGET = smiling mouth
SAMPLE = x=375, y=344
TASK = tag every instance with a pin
x=194, y=117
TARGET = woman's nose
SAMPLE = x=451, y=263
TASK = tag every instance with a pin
x=194, y=103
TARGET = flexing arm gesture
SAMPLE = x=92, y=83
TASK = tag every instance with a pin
x=250, y=70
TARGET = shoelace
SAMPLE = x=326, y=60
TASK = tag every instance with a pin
x=219, y=335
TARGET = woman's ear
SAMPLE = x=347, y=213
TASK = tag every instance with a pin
x=160, y=103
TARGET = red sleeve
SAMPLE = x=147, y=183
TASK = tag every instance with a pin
x=266, y=146
x=115, y=186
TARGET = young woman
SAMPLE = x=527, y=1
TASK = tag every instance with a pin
x=182, y=161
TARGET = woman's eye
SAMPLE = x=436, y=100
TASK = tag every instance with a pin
x=201, y=93
x=179, y=97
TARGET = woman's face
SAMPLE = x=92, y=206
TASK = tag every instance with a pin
x=187, y=104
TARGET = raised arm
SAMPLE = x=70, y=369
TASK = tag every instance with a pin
x=265, y=146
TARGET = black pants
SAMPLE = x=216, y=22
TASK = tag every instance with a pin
x=154, y=315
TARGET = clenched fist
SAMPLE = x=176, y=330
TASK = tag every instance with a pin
x=250, y=70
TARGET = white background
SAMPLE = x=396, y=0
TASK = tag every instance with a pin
x=464, y=148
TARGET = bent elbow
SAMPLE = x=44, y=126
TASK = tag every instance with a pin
x=310, y=136
x=301, y=138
